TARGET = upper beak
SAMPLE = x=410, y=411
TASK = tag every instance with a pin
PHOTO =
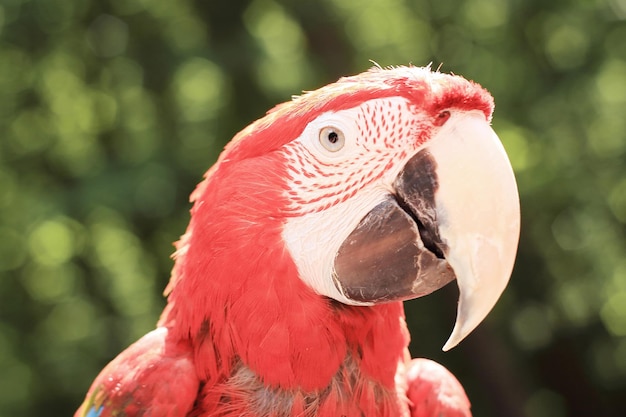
x=478, y=216
x=454, y=214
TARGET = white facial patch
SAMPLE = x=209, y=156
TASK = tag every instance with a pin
x=379, y=137
x=332, y=190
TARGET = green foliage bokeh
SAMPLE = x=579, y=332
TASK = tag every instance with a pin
x=111, y=111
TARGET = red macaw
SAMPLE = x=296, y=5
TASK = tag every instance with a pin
x=314, y=225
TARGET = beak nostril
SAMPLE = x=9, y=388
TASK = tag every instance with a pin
x=442, y=118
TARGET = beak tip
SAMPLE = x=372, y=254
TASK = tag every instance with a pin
x=450, y=343
x=460, y=331
x=462, y=328
x=481, y=283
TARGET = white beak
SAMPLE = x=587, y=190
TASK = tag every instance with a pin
x=478, y=215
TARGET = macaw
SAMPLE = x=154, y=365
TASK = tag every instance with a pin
x=306, y=236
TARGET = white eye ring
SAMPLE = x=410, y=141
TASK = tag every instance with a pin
x=332, y=138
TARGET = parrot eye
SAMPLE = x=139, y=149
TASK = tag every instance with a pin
x=332, y=139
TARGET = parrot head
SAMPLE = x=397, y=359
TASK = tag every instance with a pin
x=381, y=187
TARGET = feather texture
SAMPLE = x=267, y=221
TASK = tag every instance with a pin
x=242, y=334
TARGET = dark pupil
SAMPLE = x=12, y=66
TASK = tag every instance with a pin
x=333, y=137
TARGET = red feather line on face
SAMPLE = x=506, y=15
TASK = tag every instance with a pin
x=386, y=131
x=235, y=292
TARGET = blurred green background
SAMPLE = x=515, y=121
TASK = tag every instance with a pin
x=111, y=111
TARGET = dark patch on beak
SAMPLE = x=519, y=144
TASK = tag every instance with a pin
x=395, y=252
x=415, y=191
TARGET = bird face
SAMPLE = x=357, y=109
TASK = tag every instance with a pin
x=395, y=197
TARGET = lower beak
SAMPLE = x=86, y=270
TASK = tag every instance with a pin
x=454, y=213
